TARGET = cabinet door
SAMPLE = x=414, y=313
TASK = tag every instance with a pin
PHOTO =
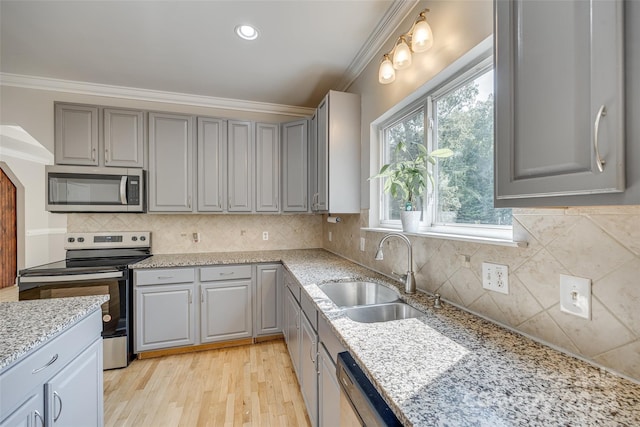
x=322, y=156
x=294, y=164
x=29, y=414
x=212, y=154
x=123, y=138
x=240, y=148
x=76, y=135
x=225, y=310
x=559, y=100
x=170, y=163
x=267, y=167
x=165, y=317
x=313, y=161
x=292, y=330
x=328, y=390
x=73, y=397
x=308, y=376
x=268, y=301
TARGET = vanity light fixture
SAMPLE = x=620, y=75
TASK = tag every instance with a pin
x=246, y=32
x=419, y=38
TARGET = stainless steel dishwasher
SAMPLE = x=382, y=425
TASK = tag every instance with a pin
x=360, y=402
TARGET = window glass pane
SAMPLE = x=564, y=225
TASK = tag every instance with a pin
x=464, y=121
x=410, y=131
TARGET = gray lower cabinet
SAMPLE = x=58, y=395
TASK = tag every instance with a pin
x=212, y=164
x=170, y=163
x=559, y=101
x=328, y=390
x=268, y=299
x=308, y=368
x=240, y=166
x=292, y=329
x=71, y=397
x=225, y=310
x=267, y=179
x=76, y=134
x=124, y=137
x=295, y=166
x=58, y=384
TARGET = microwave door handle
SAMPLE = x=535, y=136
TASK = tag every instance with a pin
x=123, y=190
x=71, y=277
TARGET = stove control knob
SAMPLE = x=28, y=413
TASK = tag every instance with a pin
x=71, y=240
x=80, y=239
x=134, y=238
x=142, y=238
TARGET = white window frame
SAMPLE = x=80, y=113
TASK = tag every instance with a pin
x=468, y=68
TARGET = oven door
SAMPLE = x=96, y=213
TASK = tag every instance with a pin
x=115, y=312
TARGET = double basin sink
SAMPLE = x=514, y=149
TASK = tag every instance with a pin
x=368, y=302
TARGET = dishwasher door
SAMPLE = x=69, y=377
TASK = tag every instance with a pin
x=360, y=402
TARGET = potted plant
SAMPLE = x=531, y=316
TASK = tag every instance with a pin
x=406, y=179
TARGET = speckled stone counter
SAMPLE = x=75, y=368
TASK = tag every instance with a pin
x=25, y=325
x=450, y=367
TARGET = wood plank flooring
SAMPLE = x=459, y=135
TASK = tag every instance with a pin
x=252, y=385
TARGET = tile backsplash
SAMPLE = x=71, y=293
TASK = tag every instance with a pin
x=173, y=233
x=599, y=243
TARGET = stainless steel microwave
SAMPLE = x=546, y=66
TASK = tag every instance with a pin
x=88, y=189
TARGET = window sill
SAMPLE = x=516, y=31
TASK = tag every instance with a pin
x=459, y=237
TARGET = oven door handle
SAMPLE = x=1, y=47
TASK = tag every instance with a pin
x=71, y=277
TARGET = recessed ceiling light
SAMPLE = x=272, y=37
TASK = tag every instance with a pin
x=246, y=32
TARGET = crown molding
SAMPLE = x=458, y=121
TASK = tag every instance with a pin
x=388, y=24
x=96, y=89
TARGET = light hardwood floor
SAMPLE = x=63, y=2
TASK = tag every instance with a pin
x=251, y=385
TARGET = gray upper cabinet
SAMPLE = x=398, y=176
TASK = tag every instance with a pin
x=212, y=155
x=267, y=179
x=170, y=162
x=559, y=123
x=76, y=134
x=294, y=166
x=337, y=149
x=123, y=138
x=240, y=151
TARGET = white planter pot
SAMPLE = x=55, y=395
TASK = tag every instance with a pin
x=410, y=220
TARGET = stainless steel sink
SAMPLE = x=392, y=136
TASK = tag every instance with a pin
x=350, y=294
x=382, y=312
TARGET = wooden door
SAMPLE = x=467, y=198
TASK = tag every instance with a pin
x=8, y=233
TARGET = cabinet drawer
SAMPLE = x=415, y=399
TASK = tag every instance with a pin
x=227, y=272
x=164, y=276
x=41, y=365
x=329, y=339
x=293, y=286
x=309, y=308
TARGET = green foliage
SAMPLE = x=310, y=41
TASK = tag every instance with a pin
x=406, y=176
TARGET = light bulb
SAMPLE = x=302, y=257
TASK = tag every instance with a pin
x=402, y=55
x=386, y=74
x=422, y=37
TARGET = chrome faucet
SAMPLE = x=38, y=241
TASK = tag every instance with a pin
x=408, y=279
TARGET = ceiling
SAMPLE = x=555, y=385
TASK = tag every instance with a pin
x=305, y=48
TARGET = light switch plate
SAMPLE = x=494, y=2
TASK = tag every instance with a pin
x=575, y=296
x=330, y=236
x=495, y=277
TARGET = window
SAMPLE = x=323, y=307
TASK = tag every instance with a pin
x=459, y=114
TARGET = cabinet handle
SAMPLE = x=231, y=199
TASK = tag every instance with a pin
x=107, y=159
x=202, y=295
x=311, y=351
x=189, y=202
x=596, y=127
x=57, y=396
x=165, y=277
x=93, y=154
x=231, y=273
x=37, y=415
x=49, y=363
x=190, y=297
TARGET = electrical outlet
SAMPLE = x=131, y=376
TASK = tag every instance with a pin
x=330, y=237
x=495, y=277
x=575, y=296
x=362, y=243
x=265, y=235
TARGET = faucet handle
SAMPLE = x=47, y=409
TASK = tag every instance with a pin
x=436, y=303
x=399, y=276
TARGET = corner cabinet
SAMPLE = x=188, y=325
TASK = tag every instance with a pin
x=336, y=148
x=559, y=109
x=268, y=299
x=294, y=166
x=170, y=163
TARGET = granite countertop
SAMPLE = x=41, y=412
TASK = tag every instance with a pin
x=26, y=325
x=450, y=367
